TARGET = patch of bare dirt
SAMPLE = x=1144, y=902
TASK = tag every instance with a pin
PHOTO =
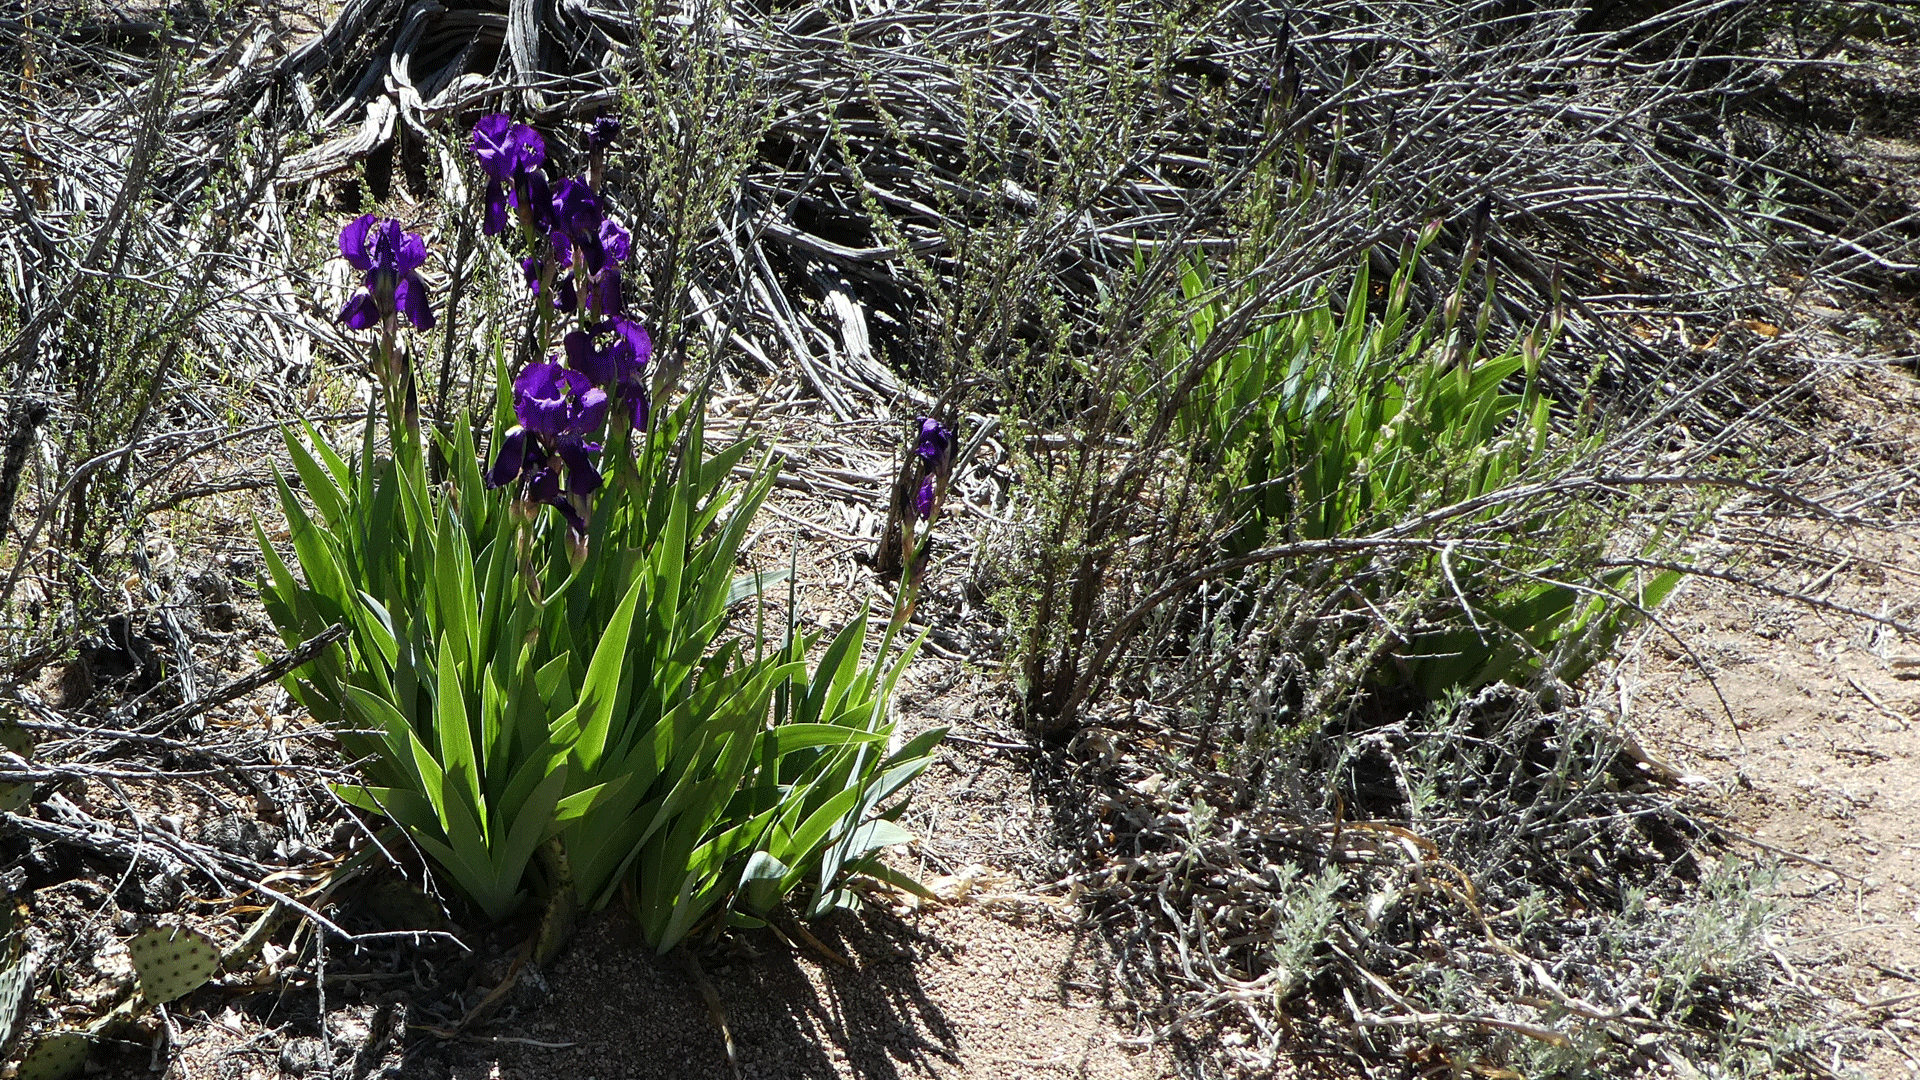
x=1803, y=724
x=967, y=991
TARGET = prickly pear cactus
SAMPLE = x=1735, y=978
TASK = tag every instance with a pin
x=16, y=987
x=20, y=741
x=55, y=1057
x=16, y=979
x=172, y=961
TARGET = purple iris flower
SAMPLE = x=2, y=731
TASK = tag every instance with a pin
x=553, y=402
x=505, y=148
x=577, y=215
x=615, y=241
x=614, y=355
x=935, y=450
x=604, y=132
x=547, y=451
x=391, y=257
x=603, y=292
x=588, y=359
x=936, y=441
x=511, y=155
x=603, y=296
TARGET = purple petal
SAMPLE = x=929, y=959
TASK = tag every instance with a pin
x=410, y=296
x=642, y=407
x=493, y=145
x=384, y=238
x=592, y=254
x=410, y=251
x=591, y=362
x=361, y=312
x=606, y=292
x=582, y=477
x=592, y=412
x=576, y=212
x=936, y=440
x=564, y=296
x=511, y=460
x=617, y=241
x=545, y=485
x=540, y=380
x=575, y=383
x=496, y=219
x=542, y=416
x=530, y=150
x=637, y=340
x=923, y=499
x=531, y=266
x=353, y=242
x=541, y=400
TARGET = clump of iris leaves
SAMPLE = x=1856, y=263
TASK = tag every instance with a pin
x=558, y=683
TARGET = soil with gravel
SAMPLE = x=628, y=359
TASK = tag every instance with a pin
x=1803, y=725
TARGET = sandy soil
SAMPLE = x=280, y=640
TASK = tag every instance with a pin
x=1801, y=724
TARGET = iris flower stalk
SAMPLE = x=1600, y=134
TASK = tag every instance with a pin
x=391, y=259
x=601, y=136
x=513, y=158
x=918, y=498
x=577, y=410
x=597, y=245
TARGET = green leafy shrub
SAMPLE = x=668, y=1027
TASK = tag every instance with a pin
x=1319, y=426
x=1324, y=486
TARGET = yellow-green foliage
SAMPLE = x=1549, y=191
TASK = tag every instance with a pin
x=1330, y=423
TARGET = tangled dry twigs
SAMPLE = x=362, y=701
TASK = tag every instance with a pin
x=1248, y=913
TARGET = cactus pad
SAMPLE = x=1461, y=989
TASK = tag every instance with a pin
x=56, y=1057
x=172, y=962
x=16, y=987
x=20, y=741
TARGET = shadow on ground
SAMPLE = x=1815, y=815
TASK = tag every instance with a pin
x=618, y=1012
